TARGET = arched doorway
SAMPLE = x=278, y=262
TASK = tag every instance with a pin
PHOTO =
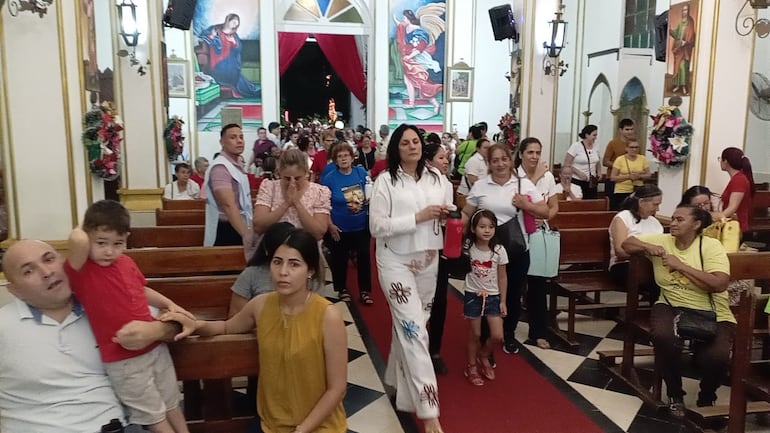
x=599, y=111
x=633, y=104
x=341, y=29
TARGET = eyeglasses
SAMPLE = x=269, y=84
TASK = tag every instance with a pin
x=633, y=147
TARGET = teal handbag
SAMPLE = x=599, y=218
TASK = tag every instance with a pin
x=544, y=251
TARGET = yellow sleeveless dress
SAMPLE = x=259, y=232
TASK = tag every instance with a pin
x=292, y=376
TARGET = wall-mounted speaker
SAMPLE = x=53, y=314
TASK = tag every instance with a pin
x=179, y=13
x=503, y=24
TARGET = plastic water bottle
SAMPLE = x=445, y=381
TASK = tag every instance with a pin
x=368, y=186
x=114, y=426
x=453, y=239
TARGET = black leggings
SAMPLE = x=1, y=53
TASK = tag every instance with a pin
x=588, y=192
x=438, y=312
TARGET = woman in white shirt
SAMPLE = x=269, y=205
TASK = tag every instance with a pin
x=476, y=167
x=182, y=188
x=530, y=166
x=507, y=195
x=586, y=161
x=407, y=205
x=637, y=217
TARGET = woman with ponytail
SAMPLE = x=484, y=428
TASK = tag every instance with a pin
x=736, y=198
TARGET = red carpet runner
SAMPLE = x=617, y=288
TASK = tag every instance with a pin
x=519, y=400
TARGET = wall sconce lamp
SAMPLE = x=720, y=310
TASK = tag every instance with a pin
x=129, y=30
x=558, y=30
x=749, y=23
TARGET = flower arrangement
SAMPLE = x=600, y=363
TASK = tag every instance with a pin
x=510, y=130
x=670, y=138
x=173, y=137
x=101, y=137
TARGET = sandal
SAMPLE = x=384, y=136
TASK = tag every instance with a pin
x=366, y=298
x=472, y=373
x=486, y=368
x=542, y=343
x=344, y=296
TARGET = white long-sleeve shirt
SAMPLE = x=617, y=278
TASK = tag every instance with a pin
x=392, y=211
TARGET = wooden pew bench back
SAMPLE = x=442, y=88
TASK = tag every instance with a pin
x=181, y=261
x=166, y=236
x=180, y=217
x=598, y=204
x=575, y=220
x=208, y=297
x=184, y=204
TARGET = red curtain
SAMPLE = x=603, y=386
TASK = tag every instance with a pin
x=342, y=53
x=289, y=45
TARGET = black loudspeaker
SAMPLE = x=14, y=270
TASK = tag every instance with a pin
x=503, y=25
x=179, y=13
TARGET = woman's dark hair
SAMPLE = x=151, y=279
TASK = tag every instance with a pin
x=736, y=159
x=698, y=214
x=523, y=148
x=228, y=18
x=269, y=165
x=273, y=237
x=394, y=155
x=180, y=166
x=303, y=143
x=307, y=246
x=481, y=213
x=476, y=132
x=432, y=138
x=429, y=150
x=693, y=192
x=587, y=130
x=631, y=203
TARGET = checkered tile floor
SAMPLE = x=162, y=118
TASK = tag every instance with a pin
x=575, y=371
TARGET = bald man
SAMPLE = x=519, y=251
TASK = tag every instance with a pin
x=51, y=374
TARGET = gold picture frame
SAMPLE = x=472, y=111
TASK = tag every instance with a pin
x=459, y=83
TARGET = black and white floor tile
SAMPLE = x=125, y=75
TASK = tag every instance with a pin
x=574, y=371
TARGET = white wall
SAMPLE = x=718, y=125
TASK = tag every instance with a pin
x=757, y=130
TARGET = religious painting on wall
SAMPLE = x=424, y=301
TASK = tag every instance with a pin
x=88, y=47
x=681, y=52
x=226, y=62
x=417, y=63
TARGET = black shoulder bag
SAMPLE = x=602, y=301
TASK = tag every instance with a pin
x=694, y=324
x=510, y=234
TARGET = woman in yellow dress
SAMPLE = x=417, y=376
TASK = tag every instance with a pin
x=303, y=345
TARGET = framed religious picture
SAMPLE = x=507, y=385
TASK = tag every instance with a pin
x=179, y=79
x=460, y=79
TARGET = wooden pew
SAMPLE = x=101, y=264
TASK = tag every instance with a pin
x=216, y=360
x=185, y=261
x=184, y=204
x=206, y=296
x=172, y=270
x=575, y=220
x=590, y=205
x=583, y=269
x=749, y=377
x=180, y=217
x=743, y=266
x=760, y=215
x=166, y=236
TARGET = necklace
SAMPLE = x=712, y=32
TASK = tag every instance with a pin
x=286, y=316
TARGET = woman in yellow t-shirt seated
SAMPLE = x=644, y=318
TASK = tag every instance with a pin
x=628, y=172
x=692, y=271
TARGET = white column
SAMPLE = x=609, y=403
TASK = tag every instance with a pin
x=40, y=118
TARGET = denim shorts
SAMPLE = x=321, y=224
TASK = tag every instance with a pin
x=475, y=305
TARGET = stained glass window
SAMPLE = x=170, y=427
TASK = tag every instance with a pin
x=338, y=11
x=639, y=29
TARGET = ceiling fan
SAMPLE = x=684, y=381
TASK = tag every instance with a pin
x=759, y=100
